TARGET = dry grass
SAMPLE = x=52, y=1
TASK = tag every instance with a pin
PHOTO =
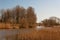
x=33, y=34
x=8, y=26
x=43, y=34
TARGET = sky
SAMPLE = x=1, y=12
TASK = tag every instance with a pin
x=43, y=8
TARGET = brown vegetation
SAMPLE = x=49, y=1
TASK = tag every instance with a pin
x=26, y=18
x=50, y=23
x=43, y=34
x=9, y=26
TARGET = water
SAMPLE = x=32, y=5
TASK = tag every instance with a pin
x=7, y=32
x=10, y=32
x=40, y=27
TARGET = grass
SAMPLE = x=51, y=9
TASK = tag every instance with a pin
x=8, y=26
x=33, y=34
x=43, y=34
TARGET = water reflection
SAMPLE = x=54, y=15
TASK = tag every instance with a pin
x=39, y=27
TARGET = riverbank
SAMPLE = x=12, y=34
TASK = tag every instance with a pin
x=31, y=34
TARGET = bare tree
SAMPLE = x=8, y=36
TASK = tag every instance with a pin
x=20, y=15
x=49, y=23
x=31, y=17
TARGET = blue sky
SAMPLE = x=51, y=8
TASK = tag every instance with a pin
x=43, y=8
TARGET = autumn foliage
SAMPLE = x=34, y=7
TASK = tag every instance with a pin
x=26, y=18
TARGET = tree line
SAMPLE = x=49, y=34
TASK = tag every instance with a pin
x=19, y=15
x=51, y=22
x=26, y=18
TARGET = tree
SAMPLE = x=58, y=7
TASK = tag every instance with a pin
x=31, y=17
x=19, y=15
x=23, y=23
x=4, y=16
x=45, y=22
x=49, y=23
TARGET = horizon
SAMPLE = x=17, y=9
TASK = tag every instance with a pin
x=43, y=8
